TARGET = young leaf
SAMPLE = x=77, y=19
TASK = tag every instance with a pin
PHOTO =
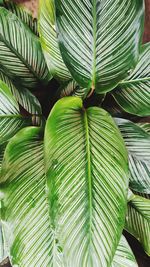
x=99, y=39
x=133, y=94
x=21, y=55
x=22, y=14
x=10, y=119
x=87, y=179
x=137, y=142
x=138, y=220
x=25, y=219
x=49, y=40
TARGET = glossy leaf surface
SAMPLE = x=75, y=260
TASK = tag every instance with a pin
x=25, y=213
x=24, y=98
x=137, y=141
x=133, y=94
x=99, y=39
x=86, y=166
x=49, y=40
x=22, y=14
x=10, y=119
x=138, y=220
x=21, y=55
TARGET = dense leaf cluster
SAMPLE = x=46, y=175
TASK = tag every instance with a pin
x=70, y=183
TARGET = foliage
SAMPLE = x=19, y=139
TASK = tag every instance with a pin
x=71, y=182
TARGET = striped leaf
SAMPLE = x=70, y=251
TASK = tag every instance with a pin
x=25, y=98
x=99, y=39
x=25, y=219
x=71, y=88
x=2, y=150
x=21, y=55
x=133, y=94
x=124, y=256
x=26, y=225
x=138, y=220
x=10, y=119
x=22, y=14
x=145, y=126
x=49, y=40
x=137, y=142
x=87, y=180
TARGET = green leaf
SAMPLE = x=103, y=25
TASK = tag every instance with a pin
x=133, y=94
x=100, y=39
x=87, y=179
x=145, y=126
x=2, y=150
x=138, y=144
x=25, y=219
x=138, y=220
x=21, y=55
x=71, y=88
x=49, y=40
x=124, y=256
x=10, y=119
x=22, y=14
x=25, y=98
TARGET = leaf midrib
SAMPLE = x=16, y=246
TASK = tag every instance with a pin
x=94, y=45
x=135, y=81
x=89, y=172
x=19, y=56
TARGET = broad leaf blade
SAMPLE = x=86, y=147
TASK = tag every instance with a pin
x=124, y=256
x=99, y=40
x=49, y=40
x=21, y=55
x=25, y=219
x=133, y=94
x=10, y=119
x=138, y=220
x=86, y=166
x=138, y=144
x=22, y=14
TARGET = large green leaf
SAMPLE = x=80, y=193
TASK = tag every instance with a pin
x=25, y=213
x=137, y=141
x=87, y=179
x=10, y=119
x=25, y=221
x=22, y=14
x=133, y=94
x=138, y=220
x=49, y=40
x=124, y=256
x=21, y=56
x=99, y=39
x=25, y=98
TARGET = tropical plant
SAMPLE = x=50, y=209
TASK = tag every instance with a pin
x=71, y=182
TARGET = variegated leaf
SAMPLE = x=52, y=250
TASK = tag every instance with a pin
x=137, y=141
x=133, y=94
x=138, y=220
x=21, y=56
x=49, y=40
x=87, y=179
x=99, y=39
